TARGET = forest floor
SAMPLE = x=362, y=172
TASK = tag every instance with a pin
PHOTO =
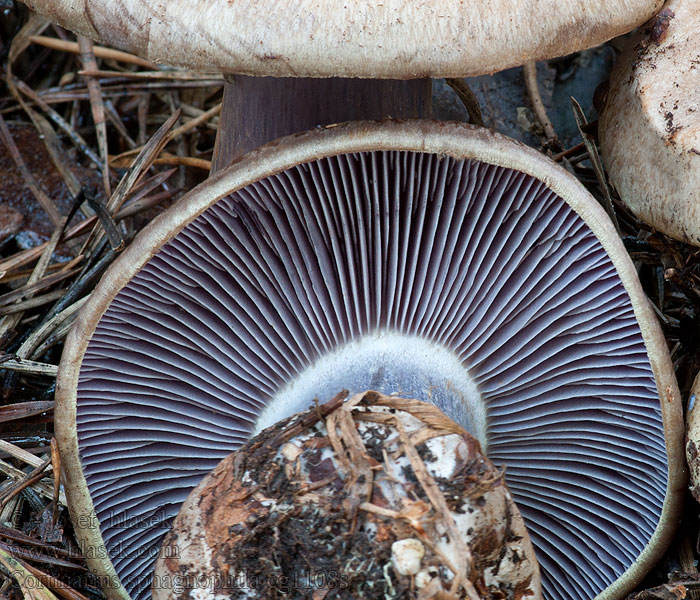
x=69, y=108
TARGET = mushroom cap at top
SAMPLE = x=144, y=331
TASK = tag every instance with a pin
x=650, y=125
x=428, y=259
x=393, y=39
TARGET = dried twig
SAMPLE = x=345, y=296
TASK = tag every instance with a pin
x=39, y=486
x=73, y=135
x=47, y=328
x=61, y=588
x=98, y=51
x=22, y=410
x=87, y=58
x=56, y=466
x=468, y=99
x=9, y=322
x=28, y=367
x=175, y=133
x=181, y=75
x=34, y=26
x=30, y=589
x=29, y=479
x=581, y=122
x=138, y=204
x=533, y=92
x=147, y=155
x=28, y=290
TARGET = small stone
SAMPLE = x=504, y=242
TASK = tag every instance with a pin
x=406, y=555
x=423, y=578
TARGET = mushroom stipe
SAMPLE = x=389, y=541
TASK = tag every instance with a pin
x=430, y=259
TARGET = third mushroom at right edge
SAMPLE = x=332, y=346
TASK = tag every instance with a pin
x=650, y=124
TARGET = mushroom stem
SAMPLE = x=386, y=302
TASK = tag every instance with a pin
x=257, y=110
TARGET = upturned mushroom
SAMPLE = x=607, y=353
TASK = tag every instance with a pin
x=378, y=496
x=437, y=261
x=650, y=125
x=317, y=63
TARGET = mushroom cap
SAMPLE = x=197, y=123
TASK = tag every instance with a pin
x=650, y=125
x=393, y=39
x=431, y=259
x=318, y=495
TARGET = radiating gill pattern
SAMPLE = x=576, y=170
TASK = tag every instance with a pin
x=486, y=262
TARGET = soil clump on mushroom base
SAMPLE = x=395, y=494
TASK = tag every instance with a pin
x=373, y=498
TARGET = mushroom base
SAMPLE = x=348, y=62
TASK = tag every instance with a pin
x=377, y=497
x=391, y=363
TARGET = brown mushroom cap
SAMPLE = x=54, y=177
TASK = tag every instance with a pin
x=650, y=125
x=381, y=495
x=390, y=39
x=401, y=250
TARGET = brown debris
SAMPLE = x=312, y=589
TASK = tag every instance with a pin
x=659, y=25
x=342, y=497
x=16, y=198
x=10, y=222
x=663, y=592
